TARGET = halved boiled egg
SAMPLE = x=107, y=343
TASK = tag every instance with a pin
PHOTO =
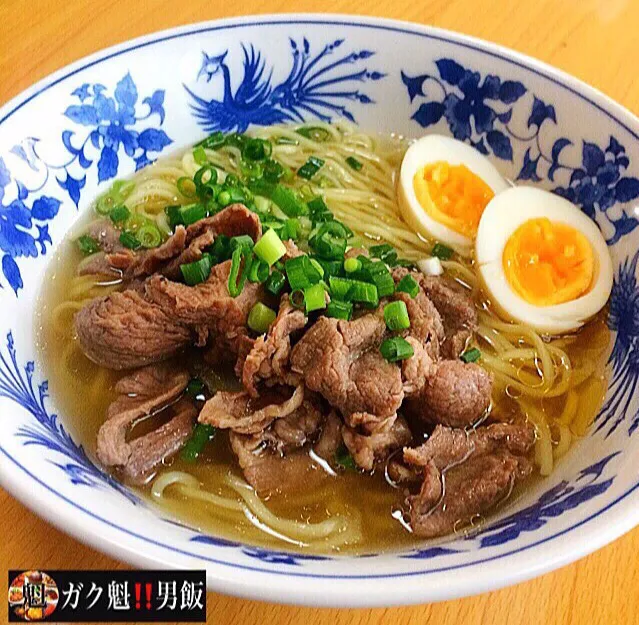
x=543, y=262
x=444, y=187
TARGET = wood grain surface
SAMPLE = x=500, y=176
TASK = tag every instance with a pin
x=595, y=40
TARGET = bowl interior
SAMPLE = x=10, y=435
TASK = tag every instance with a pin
x=67, y=138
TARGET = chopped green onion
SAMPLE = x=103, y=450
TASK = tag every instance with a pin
x=214, y=141
x=88, y=245
x=396, y=316
x=129, y=240
x=330, y=267
x=119, y=191
x=224, y=198
x=288, y=201
x=257, y=149
x=330, y=240
x=231, y=180
x=197, y=271
x=352, y=264
x=199, y=177
x=353, y=163
x=192, y=213
x=339, y=310
x=270, y=247
x=443, y=252
x=286, y=141
x=221, y=249
x=315, y=133
x=315, y=297
x=472, y=355
x=173, y=215
x=301, y=272
x=317, y=206
x=273, y=171
x=350, y=290
x=186, y=187
x=119, y=214
x=339, y=287
x=384, y=252
x=195, y=389
x=237, y=279
x=104, y=204
x=260, y=318
x=275, y=282
x=243, y=241
x=291, y=229
x=396, y=348
x=409, y=285
x=310, y=168
x=259, y=271
x=297, y=299
x=381, y=278
x=149, y=236
x=317, y=266
x=344, y=459
x=199, y=155
x=251, y=169
x=194, y=446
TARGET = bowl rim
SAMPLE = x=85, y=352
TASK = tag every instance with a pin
x=290, y=586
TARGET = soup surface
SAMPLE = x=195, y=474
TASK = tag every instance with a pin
x=554, y=384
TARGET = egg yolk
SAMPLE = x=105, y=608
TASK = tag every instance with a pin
x=548, y=263
x=452, y=195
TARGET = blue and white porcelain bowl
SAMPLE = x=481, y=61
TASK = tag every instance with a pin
x=66, y=139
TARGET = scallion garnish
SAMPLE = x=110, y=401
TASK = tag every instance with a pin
x=173, y=216
x=237, y=275
x=197, y=271
x=221, y=249
x=396, y=348
x=384, y=252
x=315, y=133
x=257, y=149
x=129, y=240
x=243, y=241
x=149, y=236
x=472, y=355
x=194, y=446
x=331, y=239
x=310, y=168
x=351, y=265
x=186, y=187
x=350, y=290
x=275, y=282
x=192, y=213
x=301, y=272
x=88, y=245
x=297, y=299
x=315, y=297
x=270, y=247
x=353, y=163
x=288, y=201
x=339, y=310
x=214, y=141
x=330, y=267
x=119, y=214
x=396, y=316
x=409, y=285
x=260, y=318
x=259, y=271
x=199, y=155
x=443, y=252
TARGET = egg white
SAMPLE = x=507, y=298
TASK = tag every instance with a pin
x=430, y=149
x=503, y=215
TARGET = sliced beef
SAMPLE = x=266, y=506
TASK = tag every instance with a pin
x=190, y=254
x=377, y=444
x=106, y=234
x=298, y=428
x=466, y=474
x=123, y=331
x=341, y=361
x=458, y=394
x=145, y=392
x=330, y=439
x=418, y=369
x=292, y=251
x=208, y=305
x=455, y=306
x=233, y=221
x=469, y=490
x=242, y=414
x=268, y=358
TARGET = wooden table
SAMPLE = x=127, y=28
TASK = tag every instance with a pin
x=595, y=40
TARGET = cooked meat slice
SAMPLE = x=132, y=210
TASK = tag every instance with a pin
x=341, y=360
x=123, y=331
x=297, y=429
x=367, y=449
x=106, y=234
x=190, y=254
x=208, y=305
x=457, y=394
x=268, y=472
x=232, y=221
x=292, y=251
x=150, y=261
x=268, y=358
x=425, y=321
x=145, y=392
x=455, y=306
x=447, y=447
x=400, y=473
x=242, y=414
x=149, y=450
x=330, y=439
x=417, y=369
x=470, y=489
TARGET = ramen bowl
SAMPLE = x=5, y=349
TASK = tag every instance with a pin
x=67, y=138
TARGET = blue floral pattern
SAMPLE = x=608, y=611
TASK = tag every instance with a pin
x=17, y=384
x=318, y=85
x=24, y=231
x=479, y=110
